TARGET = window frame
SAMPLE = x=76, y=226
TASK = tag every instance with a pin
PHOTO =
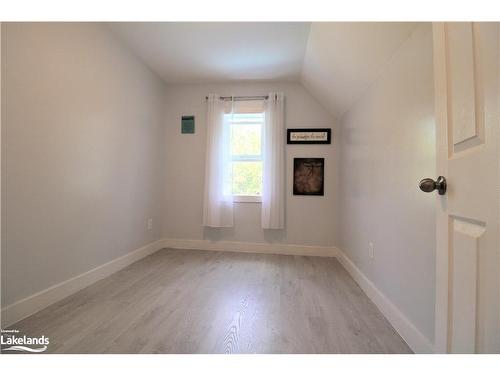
x=247, y=198
x=243, y=198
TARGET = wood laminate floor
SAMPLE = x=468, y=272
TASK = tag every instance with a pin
x=183, y=301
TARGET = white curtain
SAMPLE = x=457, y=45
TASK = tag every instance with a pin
x=218, y=199
x=273, y=174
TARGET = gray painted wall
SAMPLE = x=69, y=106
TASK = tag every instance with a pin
x=309, y=220
x=82, y=153
x=388, y=145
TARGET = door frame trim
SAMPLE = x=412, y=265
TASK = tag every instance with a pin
x=442, y=220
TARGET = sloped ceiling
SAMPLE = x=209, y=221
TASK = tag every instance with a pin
x=342, y=59
x=218, y=51
x=335, y=61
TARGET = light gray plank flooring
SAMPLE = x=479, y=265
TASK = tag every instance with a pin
x=183, y=301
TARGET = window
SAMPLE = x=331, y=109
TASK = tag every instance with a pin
x=246, y=155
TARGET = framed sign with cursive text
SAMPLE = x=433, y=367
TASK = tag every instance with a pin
x=309, y=136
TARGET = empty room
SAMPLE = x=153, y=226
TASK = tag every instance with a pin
x=250, y=187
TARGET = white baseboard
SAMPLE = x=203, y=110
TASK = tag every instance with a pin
x=413, y=337
x=252, y=247
x=36, y=302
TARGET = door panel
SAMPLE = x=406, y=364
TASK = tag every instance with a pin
x=466, y=242
x=467, y=258
x=465, y=121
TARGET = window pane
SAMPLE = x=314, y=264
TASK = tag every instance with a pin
x=245, y=139
x=247, y=177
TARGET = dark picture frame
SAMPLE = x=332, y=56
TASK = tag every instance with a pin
x=305, y=136
x=309, y=176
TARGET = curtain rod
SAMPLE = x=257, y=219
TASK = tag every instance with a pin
x=239, y=98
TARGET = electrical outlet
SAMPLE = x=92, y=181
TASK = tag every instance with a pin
x=150, y=224
x=371, y=253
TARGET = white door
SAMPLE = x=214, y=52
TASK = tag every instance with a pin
x=467, y=127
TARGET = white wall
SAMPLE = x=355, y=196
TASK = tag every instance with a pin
x=388, y=145
x=82, y=153
x=309, y=220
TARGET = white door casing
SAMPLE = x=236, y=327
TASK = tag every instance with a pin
x=467, y=129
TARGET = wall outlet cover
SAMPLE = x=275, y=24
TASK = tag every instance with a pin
x=371, y=250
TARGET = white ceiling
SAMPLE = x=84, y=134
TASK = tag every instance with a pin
x=342, y=59
x=217, y=51
x=335, y=61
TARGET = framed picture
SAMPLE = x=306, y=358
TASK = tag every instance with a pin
x=187, y=125
x=308, y=176
x=309, y=136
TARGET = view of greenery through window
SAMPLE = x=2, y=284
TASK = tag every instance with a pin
x=246, y=153
x=247, y=178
